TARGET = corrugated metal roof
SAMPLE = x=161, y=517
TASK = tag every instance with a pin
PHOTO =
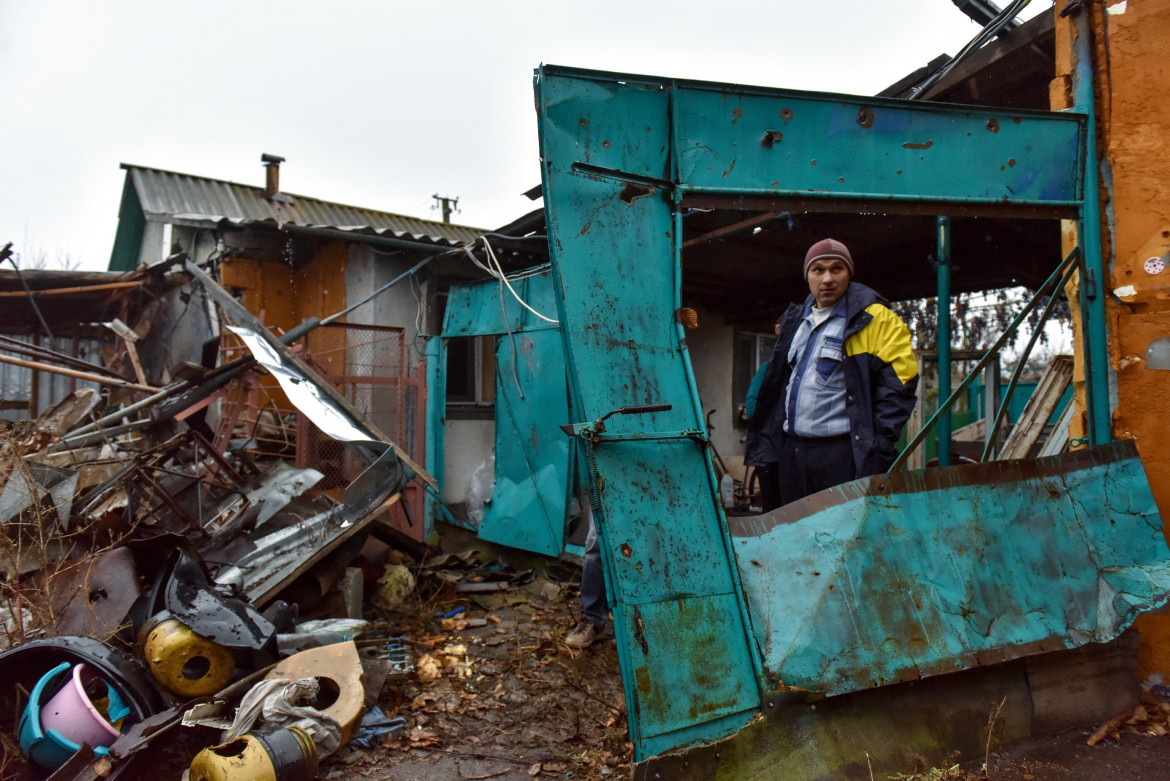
x=168, y=195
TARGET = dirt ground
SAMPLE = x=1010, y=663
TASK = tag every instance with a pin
x=519, y=704
x=510, y=700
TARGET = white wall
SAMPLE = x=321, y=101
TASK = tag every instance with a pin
x=712, y=349
x=468, y=443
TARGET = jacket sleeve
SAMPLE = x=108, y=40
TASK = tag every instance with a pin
x=749, y=405
x=894, y=371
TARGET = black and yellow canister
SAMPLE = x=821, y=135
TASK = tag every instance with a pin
x=185, y=663
x=281, y=754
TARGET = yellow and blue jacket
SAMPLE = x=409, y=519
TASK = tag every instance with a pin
x=881, y=377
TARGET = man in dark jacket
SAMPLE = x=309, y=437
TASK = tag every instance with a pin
x=840, y=383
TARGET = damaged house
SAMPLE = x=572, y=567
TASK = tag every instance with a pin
x=273, y=353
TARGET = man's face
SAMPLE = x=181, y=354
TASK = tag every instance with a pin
x=828, y=279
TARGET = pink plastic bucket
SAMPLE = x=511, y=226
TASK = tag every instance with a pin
x=71, y=713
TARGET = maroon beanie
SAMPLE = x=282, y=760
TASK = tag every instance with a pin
x=828, y=248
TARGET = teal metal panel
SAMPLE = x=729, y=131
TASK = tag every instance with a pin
x=741, y=140
x=943, y=307
x=955, y=570
x=527, y=509
x=911, y=574
x=488, y=307
x=1093, y=279
x=436, y=354
x=528, y=504
x=664, y=538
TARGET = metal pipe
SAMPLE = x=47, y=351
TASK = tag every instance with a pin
x=1089, y=232
x=36, y=351
x=1023, y=359
x=60, y=291
x=987, y=357
x=124, y=412
x=79, y=375
x=101, y=436
x=944, y=338
x=434, y=432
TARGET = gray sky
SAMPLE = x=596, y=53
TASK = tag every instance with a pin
x=376, y=104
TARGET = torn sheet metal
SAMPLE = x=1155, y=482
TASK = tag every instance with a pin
x=531, y=473
x=254, y=572
x=279, y=486
x=93, y=598
x=901, y=576
x=528, y=504
x=336, y=416
x=189, y=596
x=306, y=395
x=283, y=555
x=24, y=491
x=623, y=159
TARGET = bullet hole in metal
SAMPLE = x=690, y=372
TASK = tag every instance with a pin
x=632, y=192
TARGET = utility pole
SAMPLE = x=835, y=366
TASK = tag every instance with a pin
x=449, y=205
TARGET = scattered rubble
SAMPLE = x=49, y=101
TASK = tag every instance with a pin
x=176, y=593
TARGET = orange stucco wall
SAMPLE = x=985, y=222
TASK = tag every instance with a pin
x=1132, y=72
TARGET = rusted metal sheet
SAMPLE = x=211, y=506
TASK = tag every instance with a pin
x=707, y=622
x=528, y=505
x=680, y=622
x=901, y=576
x=739, y=140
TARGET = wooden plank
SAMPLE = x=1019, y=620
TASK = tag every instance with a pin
x=1057, y=441
x=1039, y=408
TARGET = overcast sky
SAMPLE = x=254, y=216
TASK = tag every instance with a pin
x=376, y=104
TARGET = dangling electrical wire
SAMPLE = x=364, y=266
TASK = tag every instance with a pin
x=7, y=254
x=499, y=273
x=511, y=338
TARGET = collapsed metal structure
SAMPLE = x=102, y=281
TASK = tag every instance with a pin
x=151, y=516
x=880, y=580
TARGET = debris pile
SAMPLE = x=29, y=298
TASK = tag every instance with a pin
x=1148, y=718
x=157, y=560
x=181, y=589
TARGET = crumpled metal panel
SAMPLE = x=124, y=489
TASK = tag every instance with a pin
x=22, y=491
x=682, y=633
x=901, y=576
x=623, y=157
x=527, y=510
x=278, y=486
x=304, y=392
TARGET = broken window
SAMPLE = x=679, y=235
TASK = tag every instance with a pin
x=471, y=376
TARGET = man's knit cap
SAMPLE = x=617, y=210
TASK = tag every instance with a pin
x=828, y=249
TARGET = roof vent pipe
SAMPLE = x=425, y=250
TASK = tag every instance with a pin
x=271, y=174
